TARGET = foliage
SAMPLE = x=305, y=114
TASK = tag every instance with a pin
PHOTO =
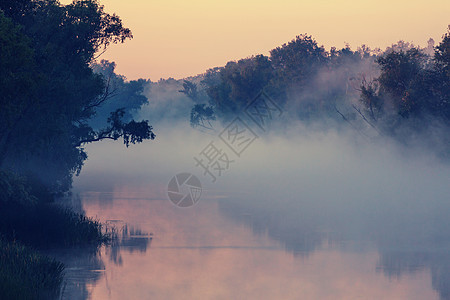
x=371, y=100
x=121, y=94
x=239, y=82
x=27, y=215
x=189, y=89
x=296, y=62
x=399, y=92
x=25, y=274
x=411, y=86
x=290, y=76
x=202, y=115
x=441, y=86
x=13, y=189
x=47, y=225
x=51, y=92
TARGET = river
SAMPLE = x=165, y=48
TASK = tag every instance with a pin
x=341, y=224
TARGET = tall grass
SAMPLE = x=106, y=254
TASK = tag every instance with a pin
x=35, y=221
x=47, y=225
x=32, y=220
x=25, y=274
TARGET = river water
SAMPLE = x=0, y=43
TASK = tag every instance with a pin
x=320, y=226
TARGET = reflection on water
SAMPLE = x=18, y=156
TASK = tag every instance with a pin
x=407, y=244
x=225, y=249
x=86, y=266
x=129, y=239
x=336, y=222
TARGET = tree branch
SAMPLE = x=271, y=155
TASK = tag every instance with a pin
x=365, y=119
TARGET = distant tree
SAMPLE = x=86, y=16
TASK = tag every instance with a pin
x=237, y=83
x=399, y=69
x=119, y=94
x=371, y=100
x=441, y=85
x=202, y=115
x=442, y=54
x=296, y=62
x=189, y=89
x=345, y=56
x=412, y=85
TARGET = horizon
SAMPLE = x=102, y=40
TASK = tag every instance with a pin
x=160, y=27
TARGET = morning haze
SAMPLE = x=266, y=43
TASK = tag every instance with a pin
x=224, y=150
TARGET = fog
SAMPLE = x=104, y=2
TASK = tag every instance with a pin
x=302, y=173
x=317, y=175
x=304, y=186
x=334, y=175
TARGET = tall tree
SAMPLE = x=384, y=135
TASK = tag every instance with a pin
x=47, y=125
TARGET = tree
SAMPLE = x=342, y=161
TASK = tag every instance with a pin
x=399, y=70
x=238, y=83
x=371, y=100
x=17, y=84
x=131, y=132
x=412, y=85
x=189, y=89
x=202, y=115
x=296, y=62
x=120, y=94
x=47, y=125
x=442, y=73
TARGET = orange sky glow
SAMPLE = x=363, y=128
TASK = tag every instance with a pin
x=174, y=38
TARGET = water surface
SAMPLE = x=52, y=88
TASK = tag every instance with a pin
x=346, y=225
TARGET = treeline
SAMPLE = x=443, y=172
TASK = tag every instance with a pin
x=398, y=92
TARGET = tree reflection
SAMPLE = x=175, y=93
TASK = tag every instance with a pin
x=86, y=266
x=407, y=240
x=126, y=238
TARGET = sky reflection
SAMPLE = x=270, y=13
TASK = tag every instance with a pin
x=203, y=254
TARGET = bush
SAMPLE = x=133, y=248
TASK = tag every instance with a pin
x=25, y=274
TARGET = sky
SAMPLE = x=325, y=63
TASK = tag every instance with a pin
x=179, y=38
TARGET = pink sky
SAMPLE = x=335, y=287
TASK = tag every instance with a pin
x=174, y=38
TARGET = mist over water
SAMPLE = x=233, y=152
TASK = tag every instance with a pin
x=299, y=163
x=303, y=173
x=338, y=198
x=305, y=188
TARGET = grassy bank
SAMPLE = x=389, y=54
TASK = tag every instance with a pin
x=47, y=225
x=30, y=222
x=25, y=274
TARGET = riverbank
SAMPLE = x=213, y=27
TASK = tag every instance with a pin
x=26, y=274
x=29, y=223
